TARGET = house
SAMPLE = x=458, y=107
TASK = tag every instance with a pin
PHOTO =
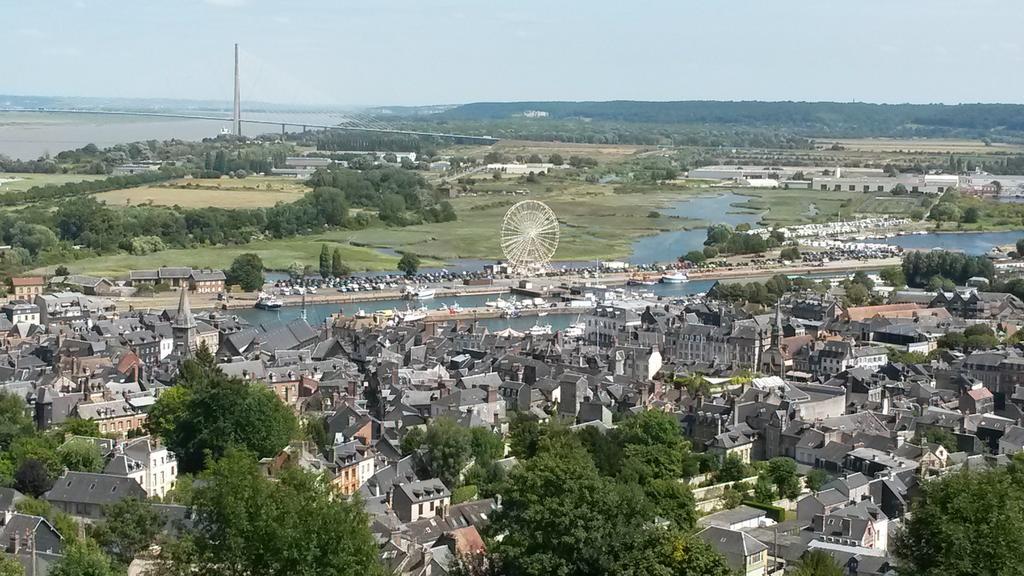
x=1012, y=441
x=21, y=311
x=84, y=494
x=27, y=287
x=147, y=462
x=176, y=277
x=744, y=553
x=206, y=281
x=90, y=285
x=116, y=416
x=420, y=499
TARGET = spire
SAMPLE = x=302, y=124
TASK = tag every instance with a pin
x=184, y=318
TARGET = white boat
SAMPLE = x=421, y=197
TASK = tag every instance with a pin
x=363, y=314
x=537, y=330
x=268, y=302
x=413, y=315
x=575, y=330
x=421, y=293
x=542, y=314
x=675, y=278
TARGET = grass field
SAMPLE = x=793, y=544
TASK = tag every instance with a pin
x=924, y=145
x=250, y=192
x=276, y=254
x=897, y=205
x=19, y=182
x=787, y=207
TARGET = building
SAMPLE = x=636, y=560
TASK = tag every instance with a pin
x=521, y=169
x=420, y=499
x=19, y=311
x=744, y=553
x=184, y=328
x=27, y=287
x=85, y=495
x=90, y=285
x=148, y=463
x=137, y=168
x=206, y=281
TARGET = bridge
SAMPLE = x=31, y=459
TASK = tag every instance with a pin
x=354, y=121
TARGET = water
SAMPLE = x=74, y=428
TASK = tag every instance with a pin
x=317, y=313
x=973, y=243
x=667, y=246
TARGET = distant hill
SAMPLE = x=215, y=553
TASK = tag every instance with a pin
x=809, y=118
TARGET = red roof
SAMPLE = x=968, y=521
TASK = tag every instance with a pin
x=27, y=281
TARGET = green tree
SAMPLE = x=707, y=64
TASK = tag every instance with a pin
x=128, y=528
x=791, y=253
x=32, y=477
x=486, y=446
x=338, y=266
x=80, y=455
x=818, y=563
x=893, y=276
x=447, y=449
x=245, y=523
x=782, y=472
x=691, y=556
x=764, y=490
x=246, y=271
x=695, y=257
x=816, y=479
x=971, y=215
x=206, y=413
x=945, y=212
x=14, y=422
x=325, y=261
x=857, y=294
x=954, y=520
x=83, y=559
x=556, y=159
x=1020, y=246
x=409, y=264
x=412, y=440
x=732, y=469
x=9, y=566
x=80, y=427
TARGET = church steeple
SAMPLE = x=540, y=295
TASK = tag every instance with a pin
x=773, y=361
x=183, y=328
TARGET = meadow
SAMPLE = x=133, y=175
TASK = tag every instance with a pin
x=19, y=182
x=249, y=192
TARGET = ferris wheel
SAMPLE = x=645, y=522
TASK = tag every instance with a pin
x=529, y=235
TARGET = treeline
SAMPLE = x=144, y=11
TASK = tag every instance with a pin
x=51, y=192
x=805, y=118
x=345, y=140
x=942, y=269
x=724, y=240
x=49, y=236
x=764, y=293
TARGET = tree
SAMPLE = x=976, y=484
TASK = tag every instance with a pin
x=9, y=566
x=818, y=563
x=945, y=212
x=857, y=294
x=245, y=523
x=61, y=270
x=1020, y=246
x=695, y=257
x=338, y=266
x=971, y=215
x=556, y=159
x=782, y=472
x=83, y=559
x=80, y=455
x=447, y=448
x=791, y=253
x=899, y=189
x=955, y=519
x=691, y=556
x=246, y=271
x=816, y=478
x=732, y=469
x=206, y=413
x=32, y=478
x=764, y=490
x=486, y=446
x=893, y=276
x=409, y=264
x=128, y=528
x=14, y=423
x=325, y=261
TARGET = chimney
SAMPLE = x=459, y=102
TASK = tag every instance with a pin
x=15, y=546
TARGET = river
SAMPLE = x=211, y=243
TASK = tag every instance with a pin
x=973, y=243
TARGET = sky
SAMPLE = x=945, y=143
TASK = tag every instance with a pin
x=419, y=52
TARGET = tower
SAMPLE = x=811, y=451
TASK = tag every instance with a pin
x=773, y=361
x=184, y=327
x=237, y=113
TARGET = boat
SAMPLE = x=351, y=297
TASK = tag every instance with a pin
x=645, y=280
x=420, y=293
x=538, y=330
x=675, y=278
x=363, y=314
x=413, y=315
x=575, y=330
x=542, y=314
x=268, y=302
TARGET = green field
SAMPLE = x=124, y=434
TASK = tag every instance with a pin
x=276, y=255
x=249, y=192
x=22, y=182
x=896, y=205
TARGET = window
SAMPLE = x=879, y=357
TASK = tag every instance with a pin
x=421, y=509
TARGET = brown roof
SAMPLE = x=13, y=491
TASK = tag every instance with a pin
x=859, y=313
x=27, y=281
x=980, y=394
